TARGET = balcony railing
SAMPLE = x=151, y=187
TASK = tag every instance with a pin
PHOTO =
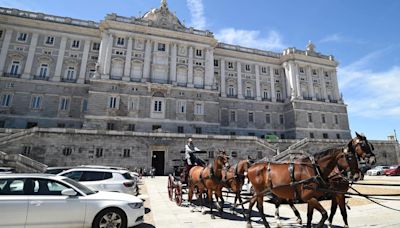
x=333, y=101
x=321, y=99
x=266, y=99
x=280, y=100
x=69, y=80
x=231, y=96
x=307, y=98
x=115, y=78
x=11, y=75
x=249, y=97
x=40, y=77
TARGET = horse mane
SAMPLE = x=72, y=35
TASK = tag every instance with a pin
x=323, y=153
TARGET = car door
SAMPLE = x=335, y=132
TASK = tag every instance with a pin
x=13, y=203
x=49, y=208
x=94, y=180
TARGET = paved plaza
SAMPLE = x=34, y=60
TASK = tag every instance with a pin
x=162, y=213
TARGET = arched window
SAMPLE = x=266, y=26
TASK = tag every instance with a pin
x=265, y=94
x=278, y=95
x=231, y=91
x=249, y=91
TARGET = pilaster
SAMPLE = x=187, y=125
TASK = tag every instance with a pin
x=4, y=49
x=239, y=80
x=310, y=83
x=190, y=68
x=85, y=56
x=223, y=82
x=258, y=83
x=147, y=61
x=172, y=67
x=272, y=80
x=323, y=84
x=128, y=58
x=31, y=55
x=60, y=59
x=209, y=72
x=107, y=58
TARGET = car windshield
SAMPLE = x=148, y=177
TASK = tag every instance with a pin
x=127, y=176
x=393, y=167
x=79, y=186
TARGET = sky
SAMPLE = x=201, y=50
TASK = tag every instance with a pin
x=363, y=35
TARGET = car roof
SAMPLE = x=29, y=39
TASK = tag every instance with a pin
x=97, y=170
x=30, y=175
x=59, y=167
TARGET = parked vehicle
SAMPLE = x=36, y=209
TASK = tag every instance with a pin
x=43, y=200
x=5, y=170
x=57, y=170
x=110, y=180
x=393, y=170
x=377, y=170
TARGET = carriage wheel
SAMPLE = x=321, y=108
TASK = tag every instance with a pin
x=178, y=194
x=170, y=187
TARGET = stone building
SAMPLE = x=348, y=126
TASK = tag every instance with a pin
x=152, y=72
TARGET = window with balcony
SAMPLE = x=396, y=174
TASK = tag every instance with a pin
x=75, y=44
x=251, y=117
x=198, y=130
x=43, y=70
x=64, y=104
x=22, y=37
x=6, y=100
x=70, y=73
x=198, y=109
x=180, y=129
x=131, y=127
x=161, y=47
x=110, y=126
x=231, y=91
x=249, y=92
x=49, y=40
x=15, y=68
x=325, y=135
x=265, y=94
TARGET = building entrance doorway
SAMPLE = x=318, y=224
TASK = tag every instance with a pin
x=158, y=161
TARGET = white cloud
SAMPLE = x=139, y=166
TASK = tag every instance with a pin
x=370, y=93
x=251, y=38
x=17, y=4
x=338, y=38
x=196, y=8
x=332, y=38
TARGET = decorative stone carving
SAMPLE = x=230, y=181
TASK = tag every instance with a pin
x=164, y=18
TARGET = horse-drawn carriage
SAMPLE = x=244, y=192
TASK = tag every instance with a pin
x=178, y=180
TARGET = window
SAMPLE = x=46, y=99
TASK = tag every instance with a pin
x=10, y=85
x=127, y=153
x=75, y=44
x=311, y=135
x=70, y=73
x=247, y=67
x=113, y=102
x=210, y=154
x=336, y=119
x=323, y=118
x=232, y=133
x=278, y=95
x=44, y=68
x=231, y=91
x=181, y=107
x=259, y=154
x=95, y=176
x=6, y=100
x=131, y=127
x=338, y=136
x=36, y=102
x=198, y=109
x=314, y=72
x=268, y=118
x=276, y=71
x=84, y=105
x=265, y=94
x=99, y=153
x=234, y=154
x=15, y=68
x=161, y=47
x=26, y=150
x=61, y=125
x=157, y=106
x=199, y=52
x=67, y=151
x=216, y=63
x=325, y=135
x=180, y=129
x=156, y=127
x=230, y=65
x=64, y=104
x=281, y=119
x=2, y=123
x=326, y=73
x=114, y=88
x=251, y=117
x=96, y=46
x=1, y=34
x=301, y=70
x=263, y=70
x=249, y=92
x=22, y=37
x=110, y=126
x=310, y=120
x=233, y=116
x=120, y=41
x=50, y=40
x=198, y=130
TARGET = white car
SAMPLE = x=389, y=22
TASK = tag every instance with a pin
x=44, y=200
x=101, y=179
x=377, y=171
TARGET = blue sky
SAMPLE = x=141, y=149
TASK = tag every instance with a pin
x=363, y=35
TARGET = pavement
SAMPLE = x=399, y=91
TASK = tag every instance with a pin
x=163, y=213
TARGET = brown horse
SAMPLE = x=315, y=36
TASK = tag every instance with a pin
x=233, y=179
x=337, y=184
x=207, y=179
x=301, y=179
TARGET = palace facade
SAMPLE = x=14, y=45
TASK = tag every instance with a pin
x=152, y=73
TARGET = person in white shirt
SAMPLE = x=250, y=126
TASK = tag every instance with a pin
x=190, y=158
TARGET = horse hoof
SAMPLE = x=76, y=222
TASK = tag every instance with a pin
x=299, y=221
x=249, y=225
x=212, y=216
x=346, y=226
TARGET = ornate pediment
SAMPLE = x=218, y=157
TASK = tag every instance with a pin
x=162, y=17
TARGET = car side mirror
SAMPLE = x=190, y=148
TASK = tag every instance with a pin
x=69, y=192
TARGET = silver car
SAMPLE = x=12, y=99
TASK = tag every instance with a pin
x=42, y=200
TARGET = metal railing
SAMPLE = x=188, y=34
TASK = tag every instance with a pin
x=11, y=75
x=41, y=77
x=69, y=80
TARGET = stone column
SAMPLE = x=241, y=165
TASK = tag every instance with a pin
x=85, y=56
x=190, y=68
x=4, y=50
x=60, y=60
x=239, y=80
x=147, y=61
x=289, y=80
x=128, y=58
x=272, y=80
x=323, y=84
x=336, y=86
x=297, y=81
x=172, y=67
x=107, y=58
x=209, y=72
x=258, y=83
x=310, y=82
x=31, y=55
x=223, y=82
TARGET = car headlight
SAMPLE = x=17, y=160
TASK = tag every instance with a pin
x=135, y=205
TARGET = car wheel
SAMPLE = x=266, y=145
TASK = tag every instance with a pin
x=378, y=173
x=111, y=217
